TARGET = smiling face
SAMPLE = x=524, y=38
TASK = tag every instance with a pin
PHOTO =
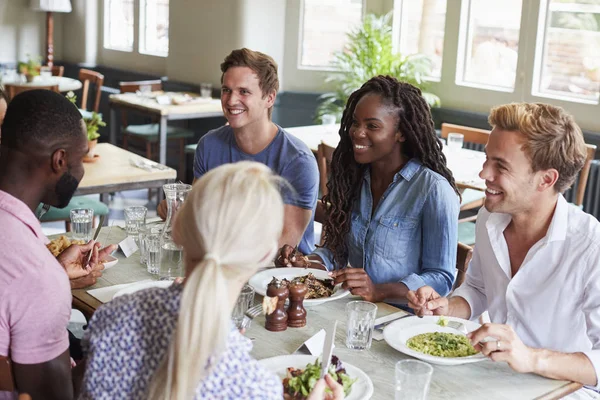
x=374, y=131
x=242, y=100
x=512, y=187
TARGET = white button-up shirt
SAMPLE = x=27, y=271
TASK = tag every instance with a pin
x=553, y=302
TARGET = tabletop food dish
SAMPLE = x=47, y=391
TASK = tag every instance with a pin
x=60, y=244
x=298, y=372
x=399, y=334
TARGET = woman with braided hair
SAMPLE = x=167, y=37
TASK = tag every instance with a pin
x=392, y=207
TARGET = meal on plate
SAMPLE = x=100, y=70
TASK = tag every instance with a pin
x=442, y=344
x=317, y=288
x=299, y=382
x=60, y=244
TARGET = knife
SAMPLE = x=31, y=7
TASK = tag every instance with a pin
x=328, y=349
x=94, y=238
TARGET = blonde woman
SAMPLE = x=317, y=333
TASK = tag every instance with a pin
x=179, y=343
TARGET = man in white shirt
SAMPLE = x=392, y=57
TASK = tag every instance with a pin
x=535, y=264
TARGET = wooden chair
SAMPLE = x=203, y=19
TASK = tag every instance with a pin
x=584, y=174
x=324, y=156
x=58, y=70
x=148, y=133
x=472, y=135
x=87, y=76
x=464, y=254
x=14, y=90
x=7, y=381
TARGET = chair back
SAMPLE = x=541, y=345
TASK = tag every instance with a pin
x=464, y=254
x=14, y=90
x=87, y=76
x=132, y=87
x=472, y=135
x=7, y=381
x=584, y=174
x=58, y=70
x=324, y=157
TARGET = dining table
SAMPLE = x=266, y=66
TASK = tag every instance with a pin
x=64, y=84
x=481, y=380
x=465, y=164
x=164, y=107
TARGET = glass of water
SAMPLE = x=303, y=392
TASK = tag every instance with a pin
x=412, y=379
x=206, y=90
x=135, y=217
x=152, y=247
x=361, y=319
x=455, y=141
x=244, y=301
x=81, y=223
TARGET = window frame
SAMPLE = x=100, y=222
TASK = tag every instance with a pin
x=107, y=24
x=142, y=28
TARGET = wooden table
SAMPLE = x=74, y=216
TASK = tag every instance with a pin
x=64, y=84
x=464, y=164
x=113, y=172
x=483, y=380
x=149, y=106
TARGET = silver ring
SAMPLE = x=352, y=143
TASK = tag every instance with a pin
x=498, y=345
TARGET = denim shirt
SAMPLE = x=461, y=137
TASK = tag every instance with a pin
x=412, y=235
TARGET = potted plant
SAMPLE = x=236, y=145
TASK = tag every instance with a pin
x=368, y=53
x=30, y=68
x=93, y=122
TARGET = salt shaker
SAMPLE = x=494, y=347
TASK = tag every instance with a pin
x=277, y=320
x=296, y=312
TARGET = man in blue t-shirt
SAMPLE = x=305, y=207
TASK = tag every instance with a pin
x=249, y=87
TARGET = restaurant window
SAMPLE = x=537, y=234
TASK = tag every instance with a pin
x=154, y=27
x=118, y=24
x=568, y=60
x=421, y=30
x=489, y=44
x=324, y=26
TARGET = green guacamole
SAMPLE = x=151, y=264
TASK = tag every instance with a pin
x=442, y=344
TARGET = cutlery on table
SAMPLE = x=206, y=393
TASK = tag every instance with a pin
x=382, y=325
x=251, y=313
x=327, y=349
x=94, y=238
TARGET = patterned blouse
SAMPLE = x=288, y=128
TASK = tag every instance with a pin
x=127, y=339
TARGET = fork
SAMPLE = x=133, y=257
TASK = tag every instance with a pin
x=250, y=314
x=43, y=211
x=459, y=326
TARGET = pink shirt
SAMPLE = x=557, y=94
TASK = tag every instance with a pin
x=35, y=295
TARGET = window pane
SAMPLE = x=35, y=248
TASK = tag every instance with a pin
x=570, y=64
x=154, y=25
x=118, y=17
x=324, y=26
x=422, y=30
x=492, y=43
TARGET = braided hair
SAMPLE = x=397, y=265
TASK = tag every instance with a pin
x=416, y=125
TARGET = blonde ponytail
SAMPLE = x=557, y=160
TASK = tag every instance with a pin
x=231, y=222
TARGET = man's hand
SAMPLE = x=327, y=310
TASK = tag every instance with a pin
x=508, y=347
x=88, y=280
x=162, y=209
x=75, y=256
x=290, y=257
x=318, y=392
x=426, y=301
x=357, y=281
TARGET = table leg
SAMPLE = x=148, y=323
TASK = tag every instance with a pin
x=162, y=138
x=113, y=125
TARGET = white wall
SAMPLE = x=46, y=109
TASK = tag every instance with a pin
x=23, y=32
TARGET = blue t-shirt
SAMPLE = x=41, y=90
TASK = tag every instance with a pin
x=286, y=155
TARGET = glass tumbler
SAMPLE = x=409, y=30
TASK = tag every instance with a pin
x=244, y=301
x=135, y=217
x=361, y=320
x=81, y=223
x=412, y=379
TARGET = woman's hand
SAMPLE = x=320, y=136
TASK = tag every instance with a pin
x=289, y=256
x=318, y=392
x=357, y=281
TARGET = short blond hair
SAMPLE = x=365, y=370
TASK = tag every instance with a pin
x=552, y=138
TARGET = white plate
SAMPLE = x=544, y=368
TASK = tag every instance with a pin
x=397, y=334
x=362, y=389
x=261, y=280
x=110, y=261
x=134, y=287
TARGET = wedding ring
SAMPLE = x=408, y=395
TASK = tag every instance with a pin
x=498, y=345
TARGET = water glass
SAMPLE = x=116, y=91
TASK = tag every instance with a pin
x=361, y=319
x=206, y=90
x=328, y=119
x=244, y=301
x=45, y=73
x=81, y=223
x=152, y=248
x=135, y=217
x=412, y=379
x=455, y=141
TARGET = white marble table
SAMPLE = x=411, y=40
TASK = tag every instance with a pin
x=64, y=84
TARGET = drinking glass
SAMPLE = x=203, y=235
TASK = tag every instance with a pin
x=244, y=301
x=361, y=319
x=142, y=232
x=328, y=119
x=135, y=217
x=412, y=379
x=45, y=72
x=81, y=223
x=152, y=247
x=455, y=141
x=206, y=90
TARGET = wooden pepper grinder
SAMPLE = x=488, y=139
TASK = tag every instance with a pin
x=296, y=312
x=277, y=320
